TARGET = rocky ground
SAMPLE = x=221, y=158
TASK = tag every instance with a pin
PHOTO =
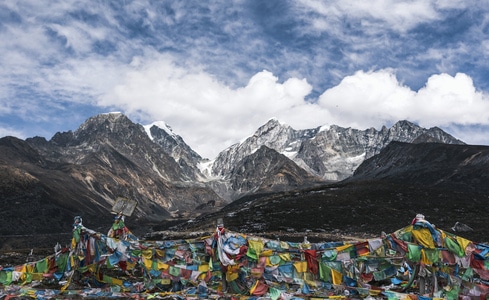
x=355, y=211
x=363, y=209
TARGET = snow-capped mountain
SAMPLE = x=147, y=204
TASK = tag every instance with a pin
x=172, y=144
x=110, y=156
x=330, y=152
x=248, y=173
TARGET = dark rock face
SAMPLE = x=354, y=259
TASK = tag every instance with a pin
x=268, y=171
x=332, y=153
x=281, y=172
x=186, y=157
x=85, y=171
x=442, y=166
x=446, y=183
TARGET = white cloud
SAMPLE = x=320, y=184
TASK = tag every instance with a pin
x=9, y=131
x=65, y=54
x=367, y=99
x=455, y=4
x=211, y=116
x=372, y=98
x=470, y=134
x=377, y=16
x=446, y=99
x=397, y=15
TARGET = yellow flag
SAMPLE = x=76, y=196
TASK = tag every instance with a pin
x=344, y=247
x=301, y=266
x=148, y=263
x=203, y=268
x=336, y=276
x=148, y=254
x=162, y=266
x=463, y=242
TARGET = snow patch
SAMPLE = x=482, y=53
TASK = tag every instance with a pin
x=356, y=159
x=290, y=154
x=161, y=125
x=324, y=128
x=205, y=168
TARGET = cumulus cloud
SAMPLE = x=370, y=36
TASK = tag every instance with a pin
x=366, y=98
x=217, y=72
x=211, y=116
x=451, y=99
x=371, y=98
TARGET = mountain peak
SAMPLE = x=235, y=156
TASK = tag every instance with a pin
x=271, y=127
x=274, y=120
x=104, y=126
x=110, y=116
x=110, y=156
x=403, y=123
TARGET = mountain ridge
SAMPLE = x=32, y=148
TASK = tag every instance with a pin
x=331, y=152
x=109, y=156
x=445, y=182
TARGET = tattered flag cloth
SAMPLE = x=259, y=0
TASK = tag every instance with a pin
x=248, y=267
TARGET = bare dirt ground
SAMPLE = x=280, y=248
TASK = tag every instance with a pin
x=334, y=213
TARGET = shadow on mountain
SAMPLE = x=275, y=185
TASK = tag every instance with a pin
x=446, y=183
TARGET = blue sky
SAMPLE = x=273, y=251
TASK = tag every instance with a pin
x=217, y=70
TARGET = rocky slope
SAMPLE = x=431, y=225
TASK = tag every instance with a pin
x=265, y=170
x=452, y=167
x=83, y=172
x=446, y=183
x=330, y=152
x=172, y=144
x=109, y=156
